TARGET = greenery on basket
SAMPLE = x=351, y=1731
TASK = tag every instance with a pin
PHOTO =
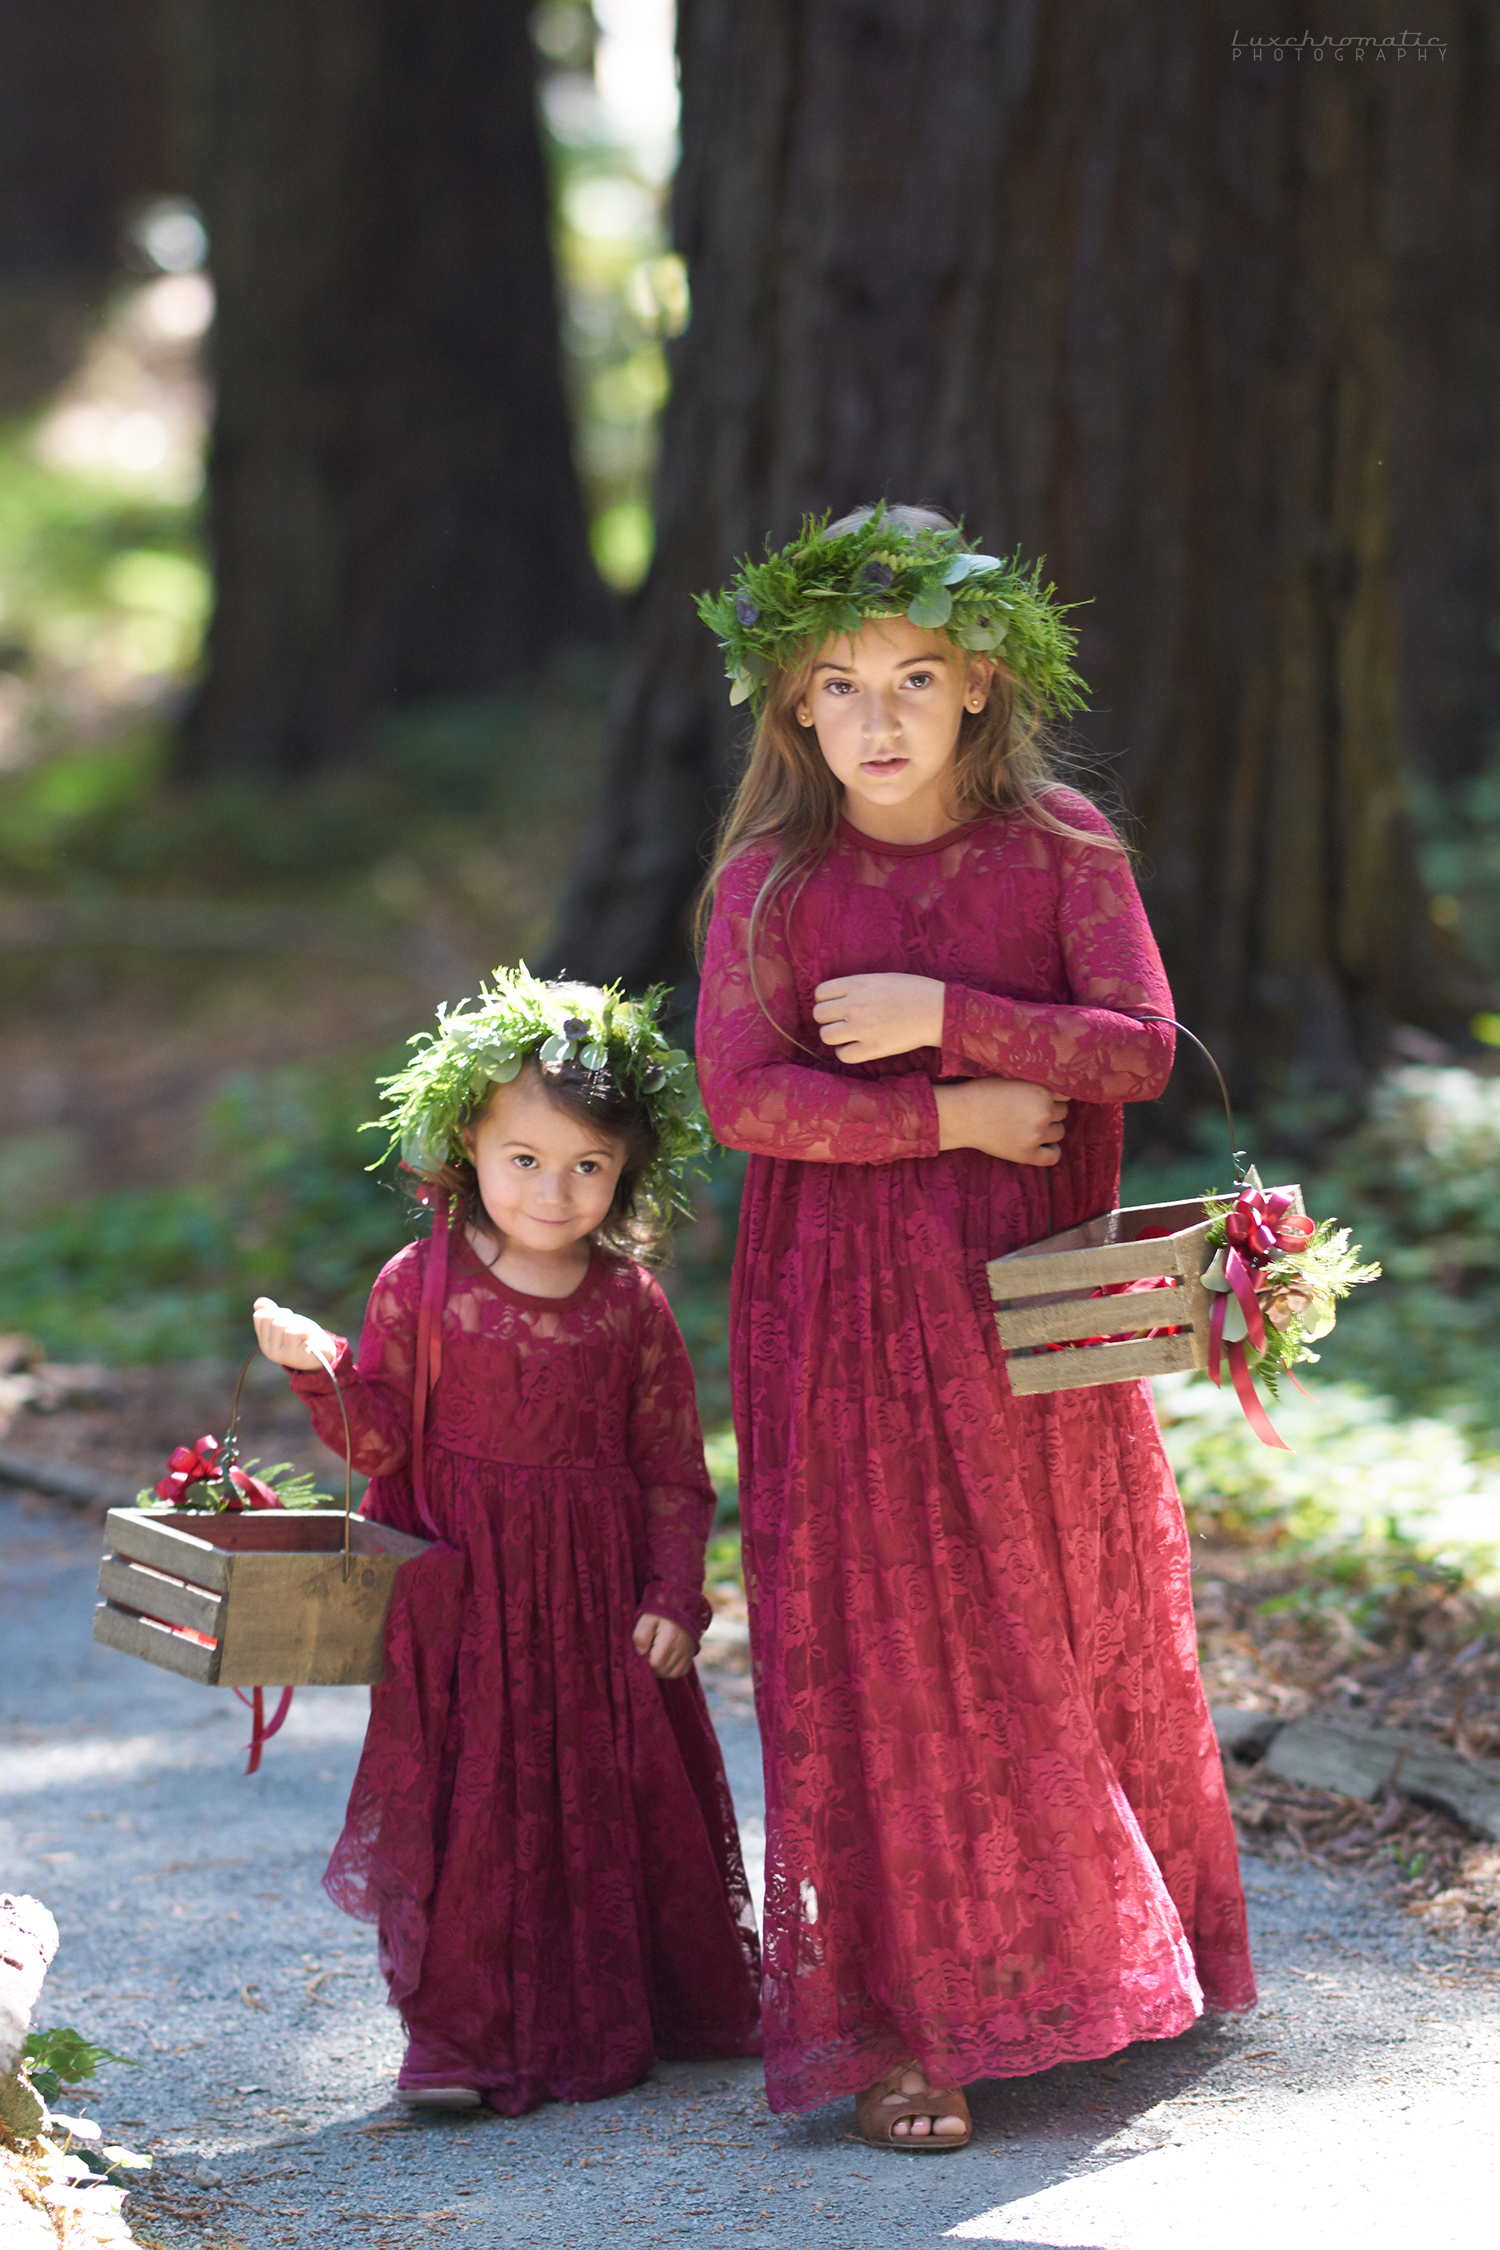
x=1299, y=1292
x=213, y=1495
x=815, y=588
x=483, y=1043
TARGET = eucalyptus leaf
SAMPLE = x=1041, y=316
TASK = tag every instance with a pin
x=964, y=566
x=933, y=606
x=502, y=1072
x=555, y=1049
x=741, y=689
x=594, y=1057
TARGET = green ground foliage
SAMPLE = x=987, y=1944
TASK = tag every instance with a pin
x=104, y=821
x=285, y=1207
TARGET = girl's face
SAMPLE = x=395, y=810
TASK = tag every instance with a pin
x=886, y=704
x=546, y=1178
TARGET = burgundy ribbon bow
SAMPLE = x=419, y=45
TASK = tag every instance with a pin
x=1257, y=1228
x=199, y=1464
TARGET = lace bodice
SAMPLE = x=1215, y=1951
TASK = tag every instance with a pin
x=1040, y=940
x=599, y=1381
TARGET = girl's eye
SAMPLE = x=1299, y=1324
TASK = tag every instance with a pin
x=588, y=1164
x=841, y=687
x=919, y=679
x=525, y=1163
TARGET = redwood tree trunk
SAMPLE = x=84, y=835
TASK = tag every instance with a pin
x=1071, y=269
x=1446, y=240
x=84, y=129
x=393, y=509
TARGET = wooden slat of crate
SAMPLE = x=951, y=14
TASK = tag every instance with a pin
x=1192, y=1258
x=1100, y=1363
x=285, y=1612
x=129, y=1585
x=1025, y=1276
x=141, y=1535
x=295, y=1618
x=136, y=1636
x=1113, y=1228
x=1020, y=1325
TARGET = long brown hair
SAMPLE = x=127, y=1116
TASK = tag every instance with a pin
x=1006, y=763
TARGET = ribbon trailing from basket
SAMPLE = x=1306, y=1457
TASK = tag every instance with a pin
x=1255, y=1230
x=260, y=1733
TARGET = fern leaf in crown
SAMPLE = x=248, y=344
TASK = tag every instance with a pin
x=484, y=1042
x=815, y=589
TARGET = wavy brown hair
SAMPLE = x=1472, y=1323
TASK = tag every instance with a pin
x=1006, y=763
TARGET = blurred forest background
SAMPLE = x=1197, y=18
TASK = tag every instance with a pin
x=379, y=380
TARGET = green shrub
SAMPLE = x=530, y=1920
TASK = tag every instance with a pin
x=287, y=1208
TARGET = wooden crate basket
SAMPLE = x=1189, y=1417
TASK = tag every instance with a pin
x=1050, y=1294
x=238, y=1600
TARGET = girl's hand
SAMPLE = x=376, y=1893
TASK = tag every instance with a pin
x=667, y=1648
x=285, y=1336
x=867, y=1017
x=1004, y=1117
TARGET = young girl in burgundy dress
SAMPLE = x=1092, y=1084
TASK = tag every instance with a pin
x=997, y=1835
x=540, y=1823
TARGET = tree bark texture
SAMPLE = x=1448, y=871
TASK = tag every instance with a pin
x=85, y=128
x=1446, y=243
x=393, y=509
x=1072, y=270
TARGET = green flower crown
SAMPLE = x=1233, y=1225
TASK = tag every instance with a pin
x=611, y=1041
x=815, y=588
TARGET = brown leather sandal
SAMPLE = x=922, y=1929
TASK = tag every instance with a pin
x=877, y=2116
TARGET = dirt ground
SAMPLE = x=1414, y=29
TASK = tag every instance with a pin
x=1250, y=1661
x=1354, y=2106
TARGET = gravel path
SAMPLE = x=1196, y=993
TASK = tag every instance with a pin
x=1356, y=2106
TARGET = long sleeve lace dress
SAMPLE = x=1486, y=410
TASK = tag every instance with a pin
x=996, y=1833
x=541, y=1828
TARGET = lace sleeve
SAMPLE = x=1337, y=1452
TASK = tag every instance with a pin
x=666, y=1457
x=1096, y=1049
x=377, y=1391
x=755, y=1097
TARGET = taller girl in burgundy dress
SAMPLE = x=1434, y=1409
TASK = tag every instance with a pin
x=540, y=1824
x=997, y=1834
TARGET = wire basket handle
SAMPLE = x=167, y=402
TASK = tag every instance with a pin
x=1235, y=1167
x=231, y=1442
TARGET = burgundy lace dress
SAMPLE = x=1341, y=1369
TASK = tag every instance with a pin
x=541, y=1828
x=996, y=1836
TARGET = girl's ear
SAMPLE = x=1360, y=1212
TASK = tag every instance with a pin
x=804, y=715
x=979, y=679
